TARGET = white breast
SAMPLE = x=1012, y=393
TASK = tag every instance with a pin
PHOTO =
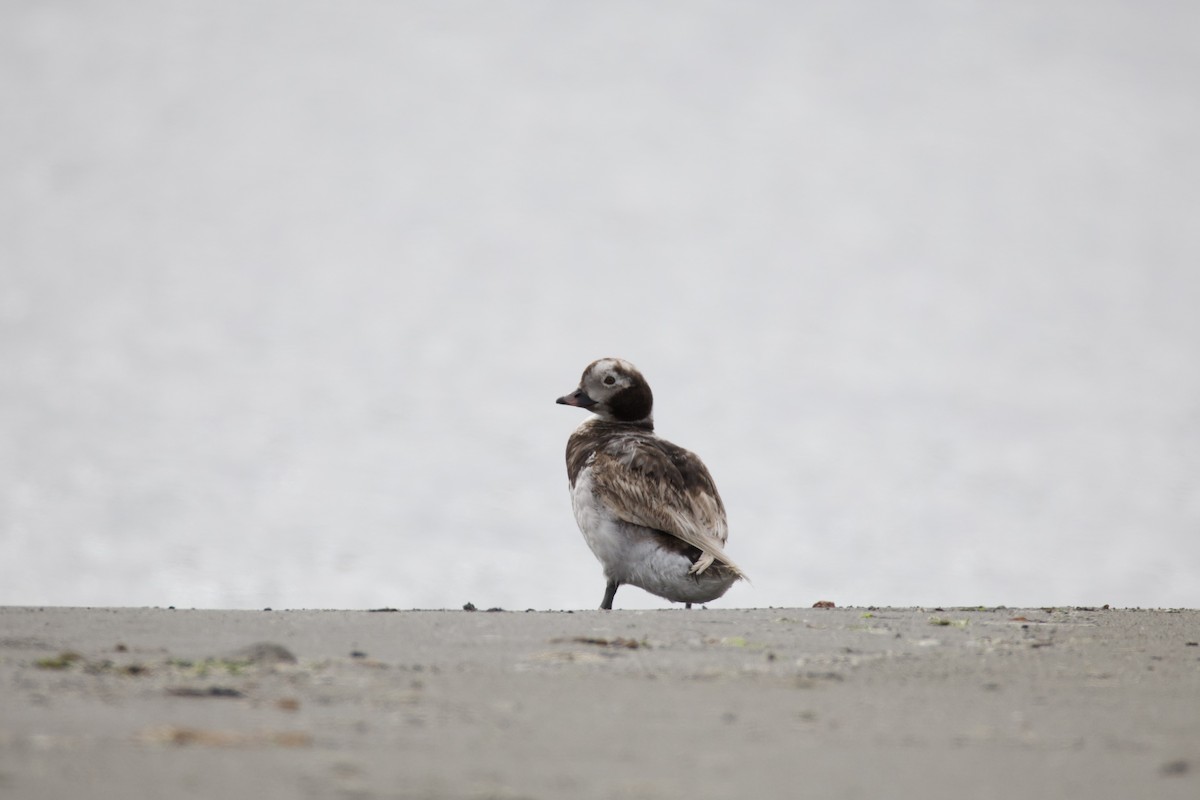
x=602, y=531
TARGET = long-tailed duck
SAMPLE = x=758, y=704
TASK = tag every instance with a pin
x=648, y=508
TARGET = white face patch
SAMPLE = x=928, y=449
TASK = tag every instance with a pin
x=608, y=376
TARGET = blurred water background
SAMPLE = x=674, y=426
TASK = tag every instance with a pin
x=287, y=291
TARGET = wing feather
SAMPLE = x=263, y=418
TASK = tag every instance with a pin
x=658, y=485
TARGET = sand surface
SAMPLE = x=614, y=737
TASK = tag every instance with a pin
x=757, y=703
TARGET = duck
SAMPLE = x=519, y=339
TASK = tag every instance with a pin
x=647, y=508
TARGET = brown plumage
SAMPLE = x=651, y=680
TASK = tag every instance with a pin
x=648, y=508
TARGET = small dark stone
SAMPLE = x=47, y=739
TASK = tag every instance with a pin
x=1177, y=767
x=357, y=654
x=211, y=691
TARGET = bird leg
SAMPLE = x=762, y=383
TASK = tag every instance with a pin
x=610, y=591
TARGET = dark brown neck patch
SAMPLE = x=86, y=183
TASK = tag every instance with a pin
x=632, y=404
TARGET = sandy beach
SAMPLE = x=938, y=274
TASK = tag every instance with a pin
x=778, y=702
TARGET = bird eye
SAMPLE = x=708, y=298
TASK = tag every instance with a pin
x=609, y=380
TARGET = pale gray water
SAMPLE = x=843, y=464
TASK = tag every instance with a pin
x=287, y=291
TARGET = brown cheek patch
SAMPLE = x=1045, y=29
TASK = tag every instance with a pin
x=632, y=404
